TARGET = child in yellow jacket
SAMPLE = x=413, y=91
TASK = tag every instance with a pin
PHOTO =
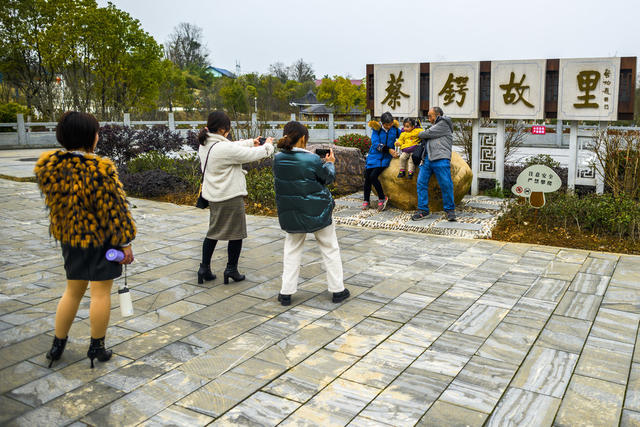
x=407, y=143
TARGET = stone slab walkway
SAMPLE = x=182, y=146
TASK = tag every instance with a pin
x=438, y=331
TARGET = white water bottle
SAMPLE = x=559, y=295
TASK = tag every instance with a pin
x=126, y=306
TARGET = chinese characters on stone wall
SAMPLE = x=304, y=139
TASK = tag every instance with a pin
x=587, y=89
x=397, y=89
x=517, y=89
x=455, y=87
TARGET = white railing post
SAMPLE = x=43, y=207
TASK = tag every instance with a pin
x=293, y=117
x=475, y=155
x=367, y=129
x=573, y=155
x=500, y=153
x=22, y=130
x=332, y=129
x=599, y=170
x=254, y=121
x=559, y=133
x=127, y=119
x=172, y=122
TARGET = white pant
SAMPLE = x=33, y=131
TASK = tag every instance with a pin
x=328, y=243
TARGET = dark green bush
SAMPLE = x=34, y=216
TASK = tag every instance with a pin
x=361, y=142
x=541, y=159
x=9, y=112
x=186, y=167
x=152, y=183
x=260, y=188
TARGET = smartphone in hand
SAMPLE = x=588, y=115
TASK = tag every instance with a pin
x=322, y=152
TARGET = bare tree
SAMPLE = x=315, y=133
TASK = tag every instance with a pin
x=186, y=47
x=301, y=71
x=279, y=70
x=514, y=135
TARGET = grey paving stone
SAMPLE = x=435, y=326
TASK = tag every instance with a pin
x=590, y=402
x=578, y=305
x=443, y=413
x=616, y=325
x=406, y=399
x=146, y=401
x=530, y=312
x=11, y=409
x=547, y=289
x=630, y=418
x=587, y=283
x=509, y=343
x=621, y=298
x=71, y=406
x=487, y=206
x=458, y=225
x=480, y=320
x=480, y=384
x=632, y=399
x=177, y=416
x=383, y=364
x=307, y=378
x=19, y=374
x=335, y=405
x=457, y=343
x=565, y=333
x=521, y=407
x=546, y=371
x=606, y=360
x=363, y=337
x=259, y=409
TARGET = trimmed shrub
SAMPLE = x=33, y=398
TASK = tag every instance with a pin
x=152, y=183
x=186, y=167
x=361, y=142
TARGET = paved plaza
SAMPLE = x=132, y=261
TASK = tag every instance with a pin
x=438, y=331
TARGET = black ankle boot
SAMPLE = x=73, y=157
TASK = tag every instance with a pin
x=97, y=351
x=57, y=348
x=204, y=273
x=232, y=272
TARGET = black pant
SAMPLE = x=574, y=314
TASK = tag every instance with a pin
x=371, y=177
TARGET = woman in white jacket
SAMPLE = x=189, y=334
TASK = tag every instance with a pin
x=224, y=186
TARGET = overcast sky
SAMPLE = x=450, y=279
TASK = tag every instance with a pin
x=342, y=36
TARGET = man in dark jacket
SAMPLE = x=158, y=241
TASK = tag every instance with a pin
x=436, y=159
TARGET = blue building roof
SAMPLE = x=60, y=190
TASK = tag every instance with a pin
x=218, y=72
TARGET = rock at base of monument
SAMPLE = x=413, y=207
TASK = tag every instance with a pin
x=402, y=192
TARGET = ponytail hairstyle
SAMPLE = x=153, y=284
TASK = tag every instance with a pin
x=292, y=132
x=216, y=121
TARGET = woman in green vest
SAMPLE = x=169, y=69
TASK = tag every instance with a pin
x=305, y=206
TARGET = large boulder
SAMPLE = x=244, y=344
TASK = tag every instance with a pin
x=349, y=167
x=402, y=192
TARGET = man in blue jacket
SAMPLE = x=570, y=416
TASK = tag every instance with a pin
x=436, y=159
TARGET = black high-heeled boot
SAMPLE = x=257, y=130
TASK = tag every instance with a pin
x=57, y=348
x=204, y=273
x=232, y=272
x=97, y=351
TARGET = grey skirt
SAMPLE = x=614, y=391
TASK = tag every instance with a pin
x=227, y=220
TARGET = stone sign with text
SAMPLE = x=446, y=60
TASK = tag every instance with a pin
x=397, y=89
x=517, y=89
x=588, y=89
x=454, y=87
